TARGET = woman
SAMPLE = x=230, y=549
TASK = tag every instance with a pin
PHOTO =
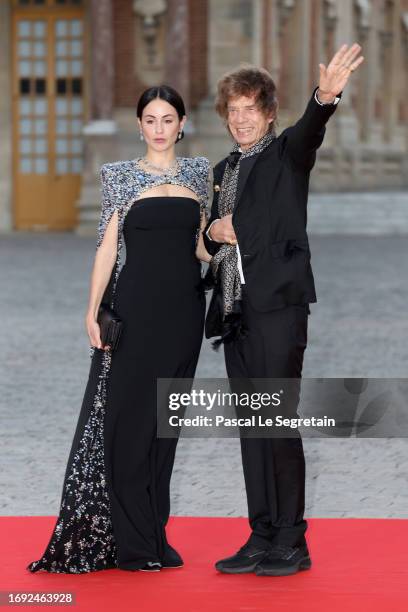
x=115, y=501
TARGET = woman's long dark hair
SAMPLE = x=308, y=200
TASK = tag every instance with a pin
x=166, y=93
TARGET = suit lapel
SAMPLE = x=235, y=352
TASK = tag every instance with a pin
x=246, y=166
x=219, y=172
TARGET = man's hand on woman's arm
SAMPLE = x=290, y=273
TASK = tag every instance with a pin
x=222, y=230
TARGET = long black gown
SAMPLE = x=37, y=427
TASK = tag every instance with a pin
x=160, y=299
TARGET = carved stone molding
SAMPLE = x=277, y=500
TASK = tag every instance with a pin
x=285, y=8
x=330, y=14
x=364, y=10
x=149, y=29
x=149, y=9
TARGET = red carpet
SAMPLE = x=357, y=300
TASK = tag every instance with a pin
x=358, y=564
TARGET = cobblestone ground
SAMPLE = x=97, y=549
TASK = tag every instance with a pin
x=359, y=327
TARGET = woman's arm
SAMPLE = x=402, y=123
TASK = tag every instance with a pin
x=101, y=272
x=201, y=251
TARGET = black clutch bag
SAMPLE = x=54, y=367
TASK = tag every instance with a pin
x=110, y=326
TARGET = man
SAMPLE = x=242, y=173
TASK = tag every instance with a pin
x=263, y=286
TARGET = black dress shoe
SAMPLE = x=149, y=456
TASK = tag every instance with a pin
x=151, y=566
x=284, y=560
x=244, y=561
x=171, y=558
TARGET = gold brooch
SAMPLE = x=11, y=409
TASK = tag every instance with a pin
x=216, y=187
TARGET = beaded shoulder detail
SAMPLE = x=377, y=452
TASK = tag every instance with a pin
x=123, y=182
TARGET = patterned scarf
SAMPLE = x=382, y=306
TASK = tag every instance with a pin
x=225, y=261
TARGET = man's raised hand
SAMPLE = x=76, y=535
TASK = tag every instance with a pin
x=334, y=78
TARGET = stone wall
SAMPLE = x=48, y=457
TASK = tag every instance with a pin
x=190, y=43
x=366, y=141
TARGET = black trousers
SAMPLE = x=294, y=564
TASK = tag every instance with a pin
x=274, y=468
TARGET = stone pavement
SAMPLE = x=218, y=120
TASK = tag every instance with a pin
x=369, y=213
x=359, y=327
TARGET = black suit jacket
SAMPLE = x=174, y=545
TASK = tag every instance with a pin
x=269, y=216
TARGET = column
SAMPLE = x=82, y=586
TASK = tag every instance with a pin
x=394, y=72
x=367, y=38
x=102, y=61
x=100, y=132
x=404, y=63
x=300, y=48
x=177, y=56
x=232, y=27
x=345, y=119
x=284, y=20
x=273, y=57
